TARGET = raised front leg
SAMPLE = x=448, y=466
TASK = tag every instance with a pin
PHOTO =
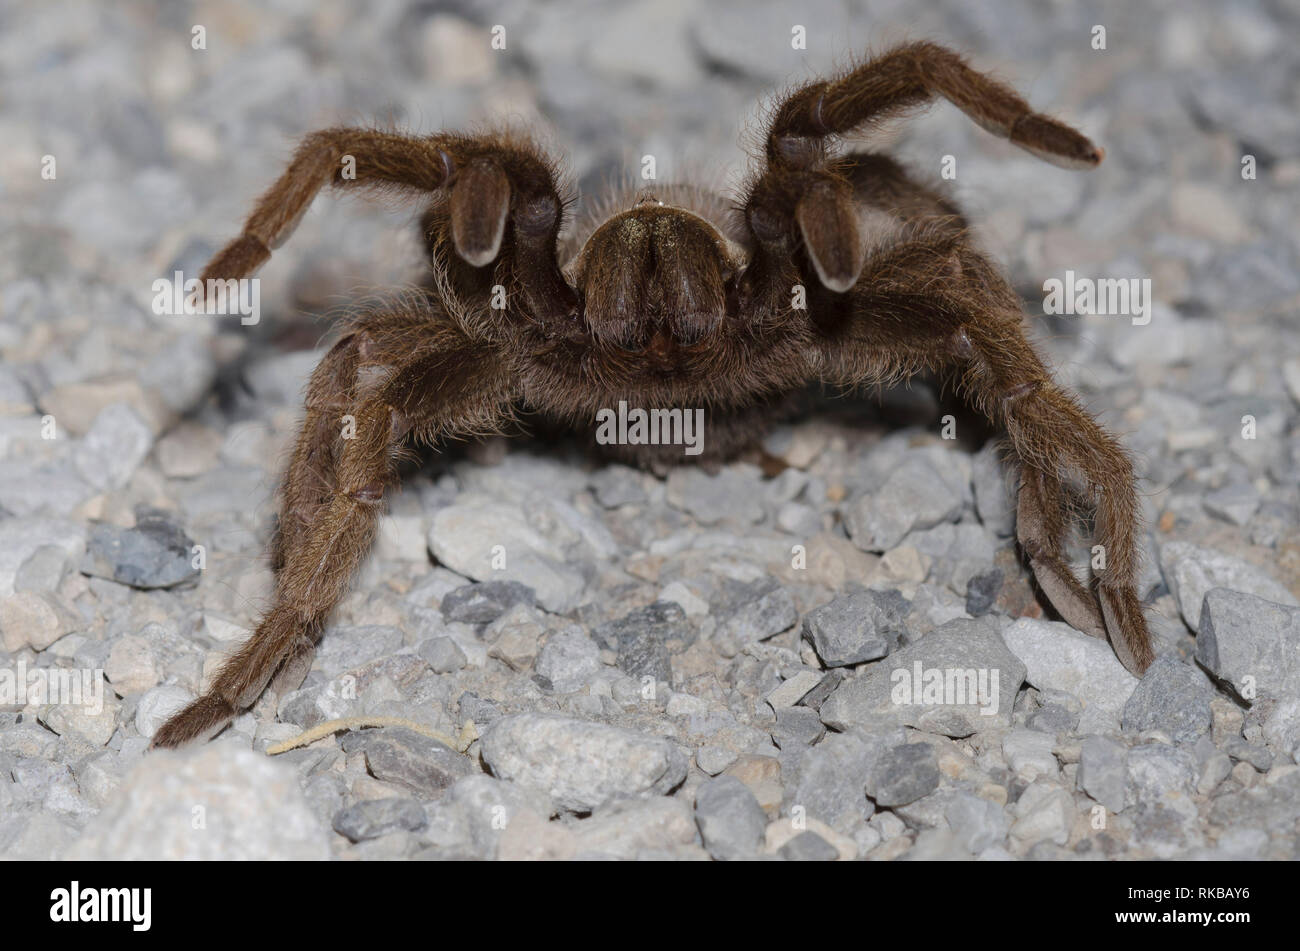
x=488, y=181
x=804, y=198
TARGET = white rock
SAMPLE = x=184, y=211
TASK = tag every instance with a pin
x=627, y=827
x=20, y=538
x=914, y=496
x=580, y=764
x=1282, y=728
x=132, y=666
x=1057, y=657
x=112, y=449
x=213, y=802
x=1191, y=571
x=223, y=630
x=791, y=691
x=36, y=619
x=1029, y=754
x=690, y=602
x=93, y=719
x=473, y=537
x=1046, y=813
x=402, y=538
x=455, y=52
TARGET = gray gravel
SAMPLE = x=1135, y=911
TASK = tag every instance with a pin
x=791, y=656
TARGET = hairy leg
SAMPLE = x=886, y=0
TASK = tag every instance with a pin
x=486, y=180
x=397, y=373
x=1054, y=437
x=937, y=304
x=802, y=201
x=906, y=78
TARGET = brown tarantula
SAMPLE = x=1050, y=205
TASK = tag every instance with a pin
x=674, y=302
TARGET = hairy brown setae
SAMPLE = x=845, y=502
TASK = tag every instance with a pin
x=672, y=302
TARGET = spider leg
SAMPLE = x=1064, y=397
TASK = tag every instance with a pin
x=934, y=303
x=802, y=194
x=398, y=373
x=908, y=77
x=1054, y=436
x=488, y=180
x=1041, y=528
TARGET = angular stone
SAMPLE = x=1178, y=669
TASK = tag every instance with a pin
x=733, y=495
x=1103, y=771
x=960, y=669
x=1045, y=816
x=756, y=611
x=156, y=553
x=808, y=846
x=730, y=819
x=857, y=627
x=904, y=774
x=489, y=540
x=93, y=721
x=913, y=496
x=792, y=690
x=1172, y=697
x=581, y=765
x=977, y=823
x=568, y=660
x=157, y=705
x=409, y=759
x=796, y=727
x=641, y=639
x=375, y=817
x=132, y=665
x=1029, y=754
x=484, y=602
x=252, y=810
x=21, y=538
x=830, y=785
x=1057, y=657
x=1161, y=795
x=1191, y=571
x=443, y=654
x=36, y=619
x=1244, y=636
x=115, y=445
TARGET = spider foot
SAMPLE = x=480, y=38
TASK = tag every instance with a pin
x=201, y=720
x=1039, y=537
x=1113, y=613
x=1128, y=628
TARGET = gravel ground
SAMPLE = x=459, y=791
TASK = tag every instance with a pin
x=654, y=676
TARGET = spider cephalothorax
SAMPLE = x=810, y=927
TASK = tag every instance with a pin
x=833, y=268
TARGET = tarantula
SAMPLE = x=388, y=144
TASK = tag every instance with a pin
x=679, y=300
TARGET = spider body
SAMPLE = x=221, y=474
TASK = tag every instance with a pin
x=838, y=269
